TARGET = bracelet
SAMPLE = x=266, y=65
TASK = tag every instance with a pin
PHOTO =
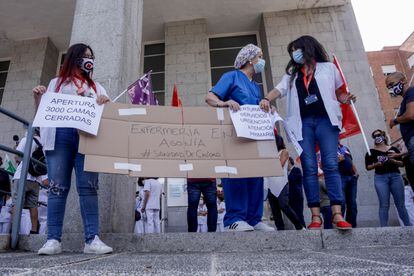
x=266, y=99
x=396, y=121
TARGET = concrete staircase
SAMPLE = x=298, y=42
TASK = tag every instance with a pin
x=233, y=242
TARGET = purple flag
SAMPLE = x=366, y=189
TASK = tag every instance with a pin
x=140, y=92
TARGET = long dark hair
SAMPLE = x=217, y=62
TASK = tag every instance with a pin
x=280, y=143
x=312, y=51
x=71, y=64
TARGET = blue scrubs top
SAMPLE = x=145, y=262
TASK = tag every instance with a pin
x=236, y=86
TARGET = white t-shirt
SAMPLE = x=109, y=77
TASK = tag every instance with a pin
x=329, y=80
x=48, y=134
x=221, y=205
x=277, y=183
x=20, y=147
x=155, y=189
x=5, y=215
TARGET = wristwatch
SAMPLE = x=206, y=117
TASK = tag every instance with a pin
x=396, y=121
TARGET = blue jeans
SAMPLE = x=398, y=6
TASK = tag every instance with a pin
x=60, y=163
x=244, y=200
x=326, y=212
x=319, y=130
x=209, y=191
x=349, y=205
x=386, y=184
x=410, y=148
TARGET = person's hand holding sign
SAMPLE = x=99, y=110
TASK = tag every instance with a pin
x=102, y=99
x=38, y=91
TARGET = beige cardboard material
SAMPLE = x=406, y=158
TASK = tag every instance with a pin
x=174, y=142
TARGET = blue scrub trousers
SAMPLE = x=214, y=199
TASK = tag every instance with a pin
x=244, y=200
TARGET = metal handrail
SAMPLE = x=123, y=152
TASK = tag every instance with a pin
x=26, y=157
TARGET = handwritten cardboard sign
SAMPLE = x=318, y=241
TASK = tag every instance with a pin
x=160, y=141
x=253, y=123
x=61, y=110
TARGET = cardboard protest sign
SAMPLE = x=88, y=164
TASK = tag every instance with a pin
x=161, y=141
x=253, y=123
x=61, y=110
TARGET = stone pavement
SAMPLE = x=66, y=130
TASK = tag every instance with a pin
x=369, y=251
x=396, y=260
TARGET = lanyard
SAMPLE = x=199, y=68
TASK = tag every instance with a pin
x=307, y=81
x=80, y=90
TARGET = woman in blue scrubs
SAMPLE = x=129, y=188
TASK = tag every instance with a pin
x=244, y=196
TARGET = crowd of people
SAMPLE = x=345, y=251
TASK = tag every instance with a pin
x=329, y=179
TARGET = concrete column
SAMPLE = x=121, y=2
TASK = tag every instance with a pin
x=336, y=28
x=187, y=61
x=33, y=62
x=113, y=29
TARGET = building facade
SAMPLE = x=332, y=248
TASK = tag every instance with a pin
x=384, y=62
x=190, y=43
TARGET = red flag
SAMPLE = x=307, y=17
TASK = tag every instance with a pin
x=175, y=101
x=349, y=120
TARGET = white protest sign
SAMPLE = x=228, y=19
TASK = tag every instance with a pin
x=253, y=123
x=62, y=110
x=291, y=135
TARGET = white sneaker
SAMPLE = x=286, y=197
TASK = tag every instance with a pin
x=263, y=227
x=239, y=226
x=97, y=247
x=51, y=247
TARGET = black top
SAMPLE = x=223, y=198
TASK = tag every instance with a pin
x=407, y=129
x=380, y=156
x=345, y=166
x=295, y=183
x=4, y=182
x=315, y=109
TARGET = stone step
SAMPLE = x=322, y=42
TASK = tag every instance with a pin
x=233, y=242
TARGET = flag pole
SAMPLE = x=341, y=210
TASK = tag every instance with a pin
x=353, y=107
x=360, y=126
x=119, y=96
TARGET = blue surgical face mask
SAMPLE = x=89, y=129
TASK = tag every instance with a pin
x=297, y=56
x=259, y=66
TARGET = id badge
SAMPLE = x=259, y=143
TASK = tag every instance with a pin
x=311, y=99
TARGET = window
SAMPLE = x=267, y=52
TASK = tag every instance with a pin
x=410, y=61
x=223, y=52
x=60, y=62
x=388, y=69
x=154, y=59
x=4, y=69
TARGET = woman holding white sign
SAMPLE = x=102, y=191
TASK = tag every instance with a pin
x=314, y=116
x=244, y=196
x=61, y=147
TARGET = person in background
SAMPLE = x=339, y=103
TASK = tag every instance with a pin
x=278, y=194
x=4, y=184
x=31, y=189
x=349, y=179
x=221, y=209
x=295, y=190
x=398, y=86
x=325, y=204
x=385, y=160
x=42, y=210
x=244, y=196
x=5, y=215
x=202, y=213
x=312, y=85
x=409, y=201
x=208, y=188
x=151, y=205
x=61, y=150
x=139, y=217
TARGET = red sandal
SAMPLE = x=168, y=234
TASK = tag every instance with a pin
x=340, y=225
x=314, y=224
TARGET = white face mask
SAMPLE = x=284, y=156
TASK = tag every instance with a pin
x=86, y=64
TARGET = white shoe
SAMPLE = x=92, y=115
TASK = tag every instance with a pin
x=51, y=247
x=263, y=227
x=239, y=226
x=97, y=247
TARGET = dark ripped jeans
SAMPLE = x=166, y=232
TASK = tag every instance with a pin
x=60, y=163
